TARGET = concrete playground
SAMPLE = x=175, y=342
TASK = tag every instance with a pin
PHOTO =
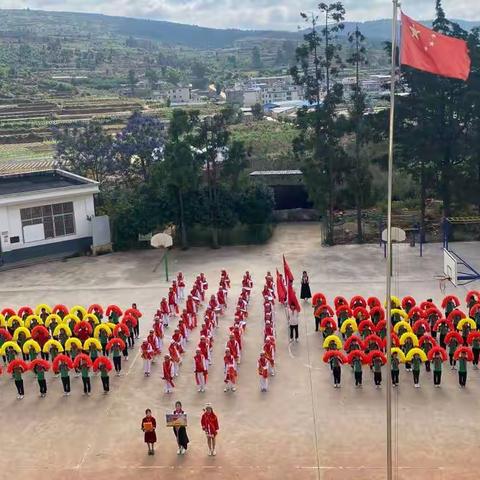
x=301, y=429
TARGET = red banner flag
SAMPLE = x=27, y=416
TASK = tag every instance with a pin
x=281, y=290
x=288, y=272
x=432, y=52
x=292, y=298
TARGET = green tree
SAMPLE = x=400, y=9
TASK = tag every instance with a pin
x=256, y=58
x=257, y=111
x=318, y=143
x=152, y=77
x=132, y=80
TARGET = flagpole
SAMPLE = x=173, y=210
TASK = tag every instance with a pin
x=389, y=240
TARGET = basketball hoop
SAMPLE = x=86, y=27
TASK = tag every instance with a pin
x=442, y=282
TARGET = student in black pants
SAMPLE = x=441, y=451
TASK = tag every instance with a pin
x=87, y=386
x=105, y=378
x=136, y=328
x=293, y=322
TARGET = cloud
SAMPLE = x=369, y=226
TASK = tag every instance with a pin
x=264, y=14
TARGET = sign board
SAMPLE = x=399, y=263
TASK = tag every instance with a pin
x=145, y=237
x=33, y=233
x=176, y=419
x=450, y=266
x=161, y=240
x=398, y=235
x=101, y=230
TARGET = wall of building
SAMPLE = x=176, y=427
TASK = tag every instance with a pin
x=11, y=225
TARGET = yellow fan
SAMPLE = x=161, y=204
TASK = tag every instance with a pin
x=400, y=312
x=332, y=338
x=395, y=300
x=69, y=317
x=31, y=343
x=92, y=341
x=349, y=321
x=51, y=318
x=12, y=344
x=73, y=341
x=463, y=321
x=99, y=328
x=411, y=335
x=52, y=343
x=404, y=324
x=3, y=322
x=400, y=354
x=60, y=327
x=78, y=308
x=15, y=318
x=38, y=308
x=30, y=318
x=417, y=351
x=20, y=330
x=91, y=316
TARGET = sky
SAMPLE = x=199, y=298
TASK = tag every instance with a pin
x=246, y=14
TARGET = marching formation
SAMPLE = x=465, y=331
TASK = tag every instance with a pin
x=355, y=333
x=64, y=340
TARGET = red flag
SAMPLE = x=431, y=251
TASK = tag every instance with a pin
x=288, y=272
x=292, y=298
x=281, y=290
x=430, y=51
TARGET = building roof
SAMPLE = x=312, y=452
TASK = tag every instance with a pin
x=260, y=173
x=27, y=182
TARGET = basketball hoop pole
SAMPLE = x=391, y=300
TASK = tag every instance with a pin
x=389, y=241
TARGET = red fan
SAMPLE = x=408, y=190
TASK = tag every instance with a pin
x=440, y=350
x=474, y=310
x=426, y=338
x=340, y=301
x=17, y=363
x=380, y=326
x=461, y=350
x=62, y=359
x=437, y=324
x=344, y=308
x=113, y=308
x=373, y=339
x=350, y=340
x=376, y=354
x=408, y=301
x=361, y=310
x=39, y=362
x=453, y=335
x=95, y=307
x=450, y=298
x=357, y=354
x=83, y=330
x=115, y=341
x=373, y=302
x=456, y=313
x=8, y=312
x=416, y=312
x=5, y=334
x=357, y=301
x=319, y=297
x=40, y=334
x=328, y=322
x=378, y=310
x=133, y=311
x=364, y=324
x=82, y=359
x=421, y=323
x=323, y=309
x=327, y=356
x=130, y=319
x=426, y=305
x=102, y=361
x=472, y=295
x=473, y=336
x=433, y=312
x=395, y=340
x=24, y=310
x=60, y=308
x=123, y=328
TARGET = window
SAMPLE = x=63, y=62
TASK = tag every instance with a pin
x=57, y=219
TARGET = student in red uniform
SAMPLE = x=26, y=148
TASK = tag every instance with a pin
x=209, y=423
x=149, y=424
x=230, y=371
x=168, y=374
x=262, y=366
x=200, y=370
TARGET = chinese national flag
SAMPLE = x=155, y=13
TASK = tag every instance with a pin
x=292, y=299
x=427, y=50
x=281, y=290
x=288, y=272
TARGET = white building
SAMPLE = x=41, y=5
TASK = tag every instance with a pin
x=45, y=213
x=178, y=94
